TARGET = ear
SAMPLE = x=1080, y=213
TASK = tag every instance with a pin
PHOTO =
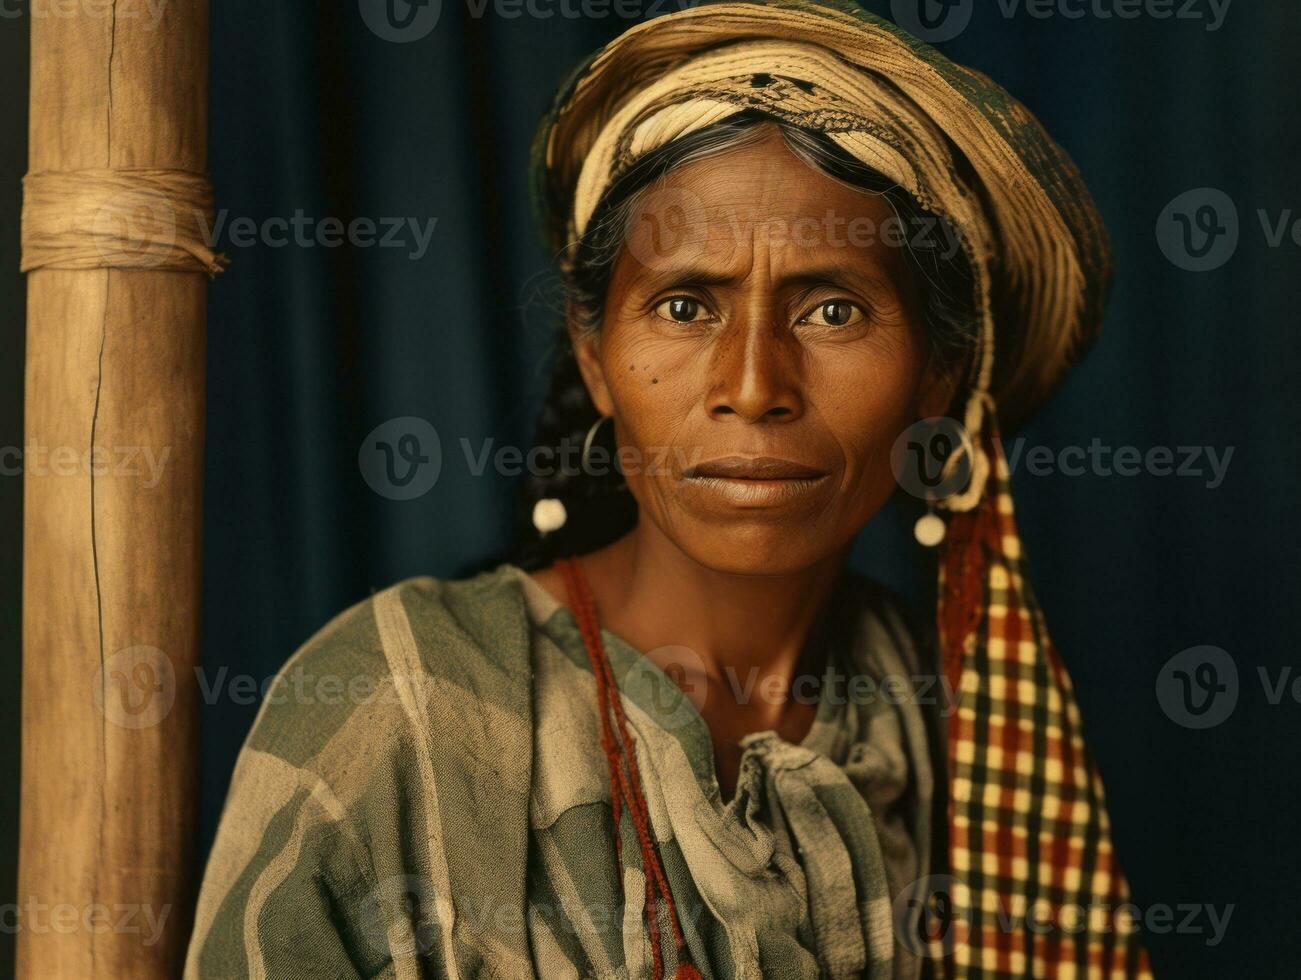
x=937, y=391
x=587, y=351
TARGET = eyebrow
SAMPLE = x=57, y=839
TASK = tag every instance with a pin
x=694, y=277
x=688, y=277
x=875, y=278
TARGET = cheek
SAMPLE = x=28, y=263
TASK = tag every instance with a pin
x=867, y=398
x=653, y=383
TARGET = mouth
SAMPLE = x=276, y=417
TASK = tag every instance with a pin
x=754, y=482
x=761, y=469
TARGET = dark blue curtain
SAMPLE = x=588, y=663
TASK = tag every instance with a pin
x=13, y=164
x=316, y=115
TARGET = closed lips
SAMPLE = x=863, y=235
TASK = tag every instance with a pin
x=758, y=468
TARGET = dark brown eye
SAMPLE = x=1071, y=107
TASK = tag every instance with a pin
x=834, y=313
x=837, y=313
x=681, y=309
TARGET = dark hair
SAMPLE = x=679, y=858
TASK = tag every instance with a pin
x=599, y=506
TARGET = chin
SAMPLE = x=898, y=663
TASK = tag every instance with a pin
x=753, y=548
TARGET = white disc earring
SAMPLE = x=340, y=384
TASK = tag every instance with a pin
x=930, y=528
x=549, y=515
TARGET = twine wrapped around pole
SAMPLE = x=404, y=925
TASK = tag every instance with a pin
x=116, y=251
x=119, y=219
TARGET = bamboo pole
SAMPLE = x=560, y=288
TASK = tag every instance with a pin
x=111, y=557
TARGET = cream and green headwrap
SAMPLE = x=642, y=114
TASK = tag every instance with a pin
x=969, y=152
x=1029, y=838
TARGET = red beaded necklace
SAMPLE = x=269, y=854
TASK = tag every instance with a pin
x=625, y=778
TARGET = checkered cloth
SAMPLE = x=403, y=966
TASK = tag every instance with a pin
x=1034, y=887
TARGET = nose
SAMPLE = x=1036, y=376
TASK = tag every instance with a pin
x=757, y=374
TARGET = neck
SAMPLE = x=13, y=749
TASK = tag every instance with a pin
x=653, y=594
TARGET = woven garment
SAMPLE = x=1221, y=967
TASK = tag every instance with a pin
x=1029, y=837
x=424, y=794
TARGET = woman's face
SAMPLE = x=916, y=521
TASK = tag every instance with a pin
x=761, y=350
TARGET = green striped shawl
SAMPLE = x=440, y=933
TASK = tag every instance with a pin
x=449, y=816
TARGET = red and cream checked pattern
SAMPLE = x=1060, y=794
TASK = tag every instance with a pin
x=1036, y=890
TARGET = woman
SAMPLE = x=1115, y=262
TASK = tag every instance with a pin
x=788, y=233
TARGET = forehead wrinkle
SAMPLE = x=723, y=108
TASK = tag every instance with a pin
x=780, y=267
x=763, y=196
x=727, y=263
x=854, y=268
